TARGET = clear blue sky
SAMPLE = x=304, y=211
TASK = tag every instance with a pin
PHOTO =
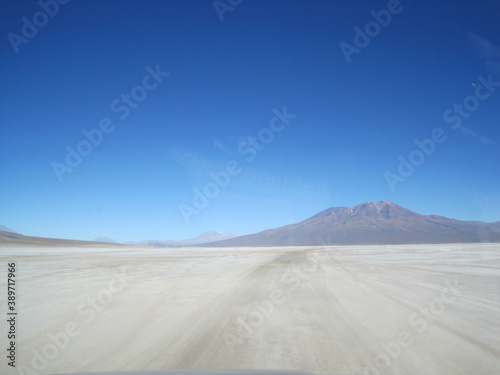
x=353, y=119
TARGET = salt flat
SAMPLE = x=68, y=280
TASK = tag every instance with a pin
x=412, y=309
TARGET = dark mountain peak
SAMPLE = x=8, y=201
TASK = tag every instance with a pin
x=370, y=223
x=380, y=209
x=378, y=205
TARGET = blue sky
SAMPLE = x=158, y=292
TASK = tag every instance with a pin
x=225, y=77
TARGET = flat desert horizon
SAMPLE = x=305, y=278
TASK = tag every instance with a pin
x=394, y=309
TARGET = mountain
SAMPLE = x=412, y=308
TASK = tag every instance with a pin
x=105, y=239
x=373, y=223
x=206, y=237
x=10, y=239
x=5, y=229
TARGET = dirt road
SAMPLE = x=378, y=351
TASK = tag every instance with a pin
x=419, y=309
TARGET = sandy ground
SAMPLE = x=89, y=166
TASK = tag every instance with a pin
x=413, y=309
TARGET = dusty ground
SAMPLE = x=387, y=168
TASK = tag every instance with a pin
x=416, y=309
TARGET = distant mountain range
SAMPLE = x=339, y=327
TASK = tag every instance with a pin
x=16, y=239
x=5, y=229
x=105, y=239
x=374, y=223
x=10, y=237
x=206, y=237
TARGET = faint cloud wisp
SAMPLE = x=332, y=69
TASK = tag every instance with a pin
x=487, y=51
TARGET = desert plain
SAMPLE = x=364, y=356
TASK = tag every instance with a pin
x=399, y=309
